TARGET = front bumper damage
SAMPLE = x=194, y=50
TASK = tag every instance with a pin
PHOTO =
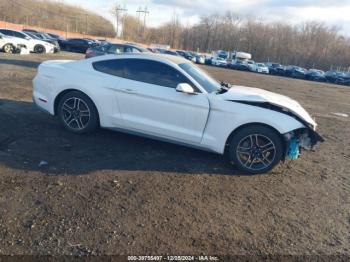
x=300, y=140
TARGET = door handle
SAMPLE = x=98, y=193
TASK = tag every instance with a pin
x=129, y=90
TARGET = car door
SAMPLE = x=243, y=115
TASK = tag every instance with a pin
x=24, y=39
x=149, y=103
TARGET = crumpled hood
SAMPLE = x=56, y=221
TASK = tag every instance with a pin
x=249, y=94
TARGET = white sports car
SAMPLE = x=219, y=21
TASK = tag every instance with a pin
x=169, y=98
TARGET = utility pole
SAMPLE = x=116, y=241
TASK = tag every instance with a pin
x=143, y=12
x=86, y=24
x=118, y=11
x=76, y=24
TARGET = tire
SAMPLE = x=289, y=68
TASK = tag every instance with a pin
x=8, y=48
x=253, y=158
x=78, y=113
x=39, y=49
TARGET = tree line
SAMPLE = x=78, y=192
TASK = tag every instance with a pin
x=55, y=15
x=309, y=44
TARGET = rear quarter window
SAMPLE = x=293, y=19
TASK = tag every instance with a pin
x=112, y=67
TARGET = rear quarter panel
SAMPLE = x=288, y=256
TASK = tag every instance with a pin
x=54, y=79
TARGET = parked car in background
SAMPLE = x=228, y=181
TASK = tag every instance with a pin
x=169, y=98
x=104, y=42
x=45, y=38
x=32, y=44
x=114, y=49
x=295, y=71
x=182, y=53
x=315, y=75
x=219, y=61
x=95, y=41
x=251, y=65
x=58, y=38
x=30, y=30
x=276, y=69
x=262, y=68
x=344, y=79
x=199, y=59
x=239, y=65
x=9, y=44
x=77, y=45
x=208, y=59
x=54, y=36
x=333, y=76
x=169, y=52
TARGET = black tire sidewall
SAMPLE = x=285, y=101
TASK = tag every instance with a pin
x=256, y=129
x=94, y=117
x=43, y=50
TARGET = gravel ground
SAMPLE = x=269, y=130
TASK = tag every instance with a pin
x=111, y=193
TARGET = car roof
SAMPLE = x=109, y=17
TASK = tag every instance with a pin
x=152, y=56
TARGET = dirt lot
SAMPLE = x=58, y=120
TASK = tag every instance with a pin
x=111, y=193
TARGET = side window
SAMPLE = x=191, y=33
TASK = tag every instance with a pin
x=17, y=34
x=112, y=67
x=134, y=50
x=115, y=49
x=153, y=72
x=146, y=71
x=6, y=32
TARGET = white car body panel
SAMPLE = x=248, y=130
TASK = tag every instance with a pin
x=204, y=120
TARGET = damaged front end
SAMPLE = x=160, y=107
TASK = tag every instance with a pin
x=299, y=140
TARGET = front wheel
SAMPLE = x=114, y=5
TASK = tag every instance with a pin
x=78, y=113
x=256, y=149
x=39, y=49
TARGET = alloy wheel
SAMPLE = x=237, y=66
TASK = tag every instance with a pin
x=256, y=152
x=76, y=113
x=8, y=49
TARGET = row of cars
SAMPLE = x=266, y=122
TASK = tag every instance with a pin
x=332, y=76
x=243, y=65
x=110, y=48
x=13, y=41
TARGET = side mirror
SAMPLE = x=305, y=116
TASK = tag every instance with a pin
x=185, y=88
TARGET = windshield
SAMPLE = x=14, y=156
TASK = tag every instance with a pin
x=206, y=81
x=32, y=35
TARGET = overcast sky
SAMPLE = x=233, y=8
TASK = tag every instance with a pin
x=332, y=12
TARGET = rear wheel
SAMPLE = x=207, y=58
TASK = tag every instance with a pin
x=78, y=113
x=39, y=49
x=256, y=149
x=8, y=48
